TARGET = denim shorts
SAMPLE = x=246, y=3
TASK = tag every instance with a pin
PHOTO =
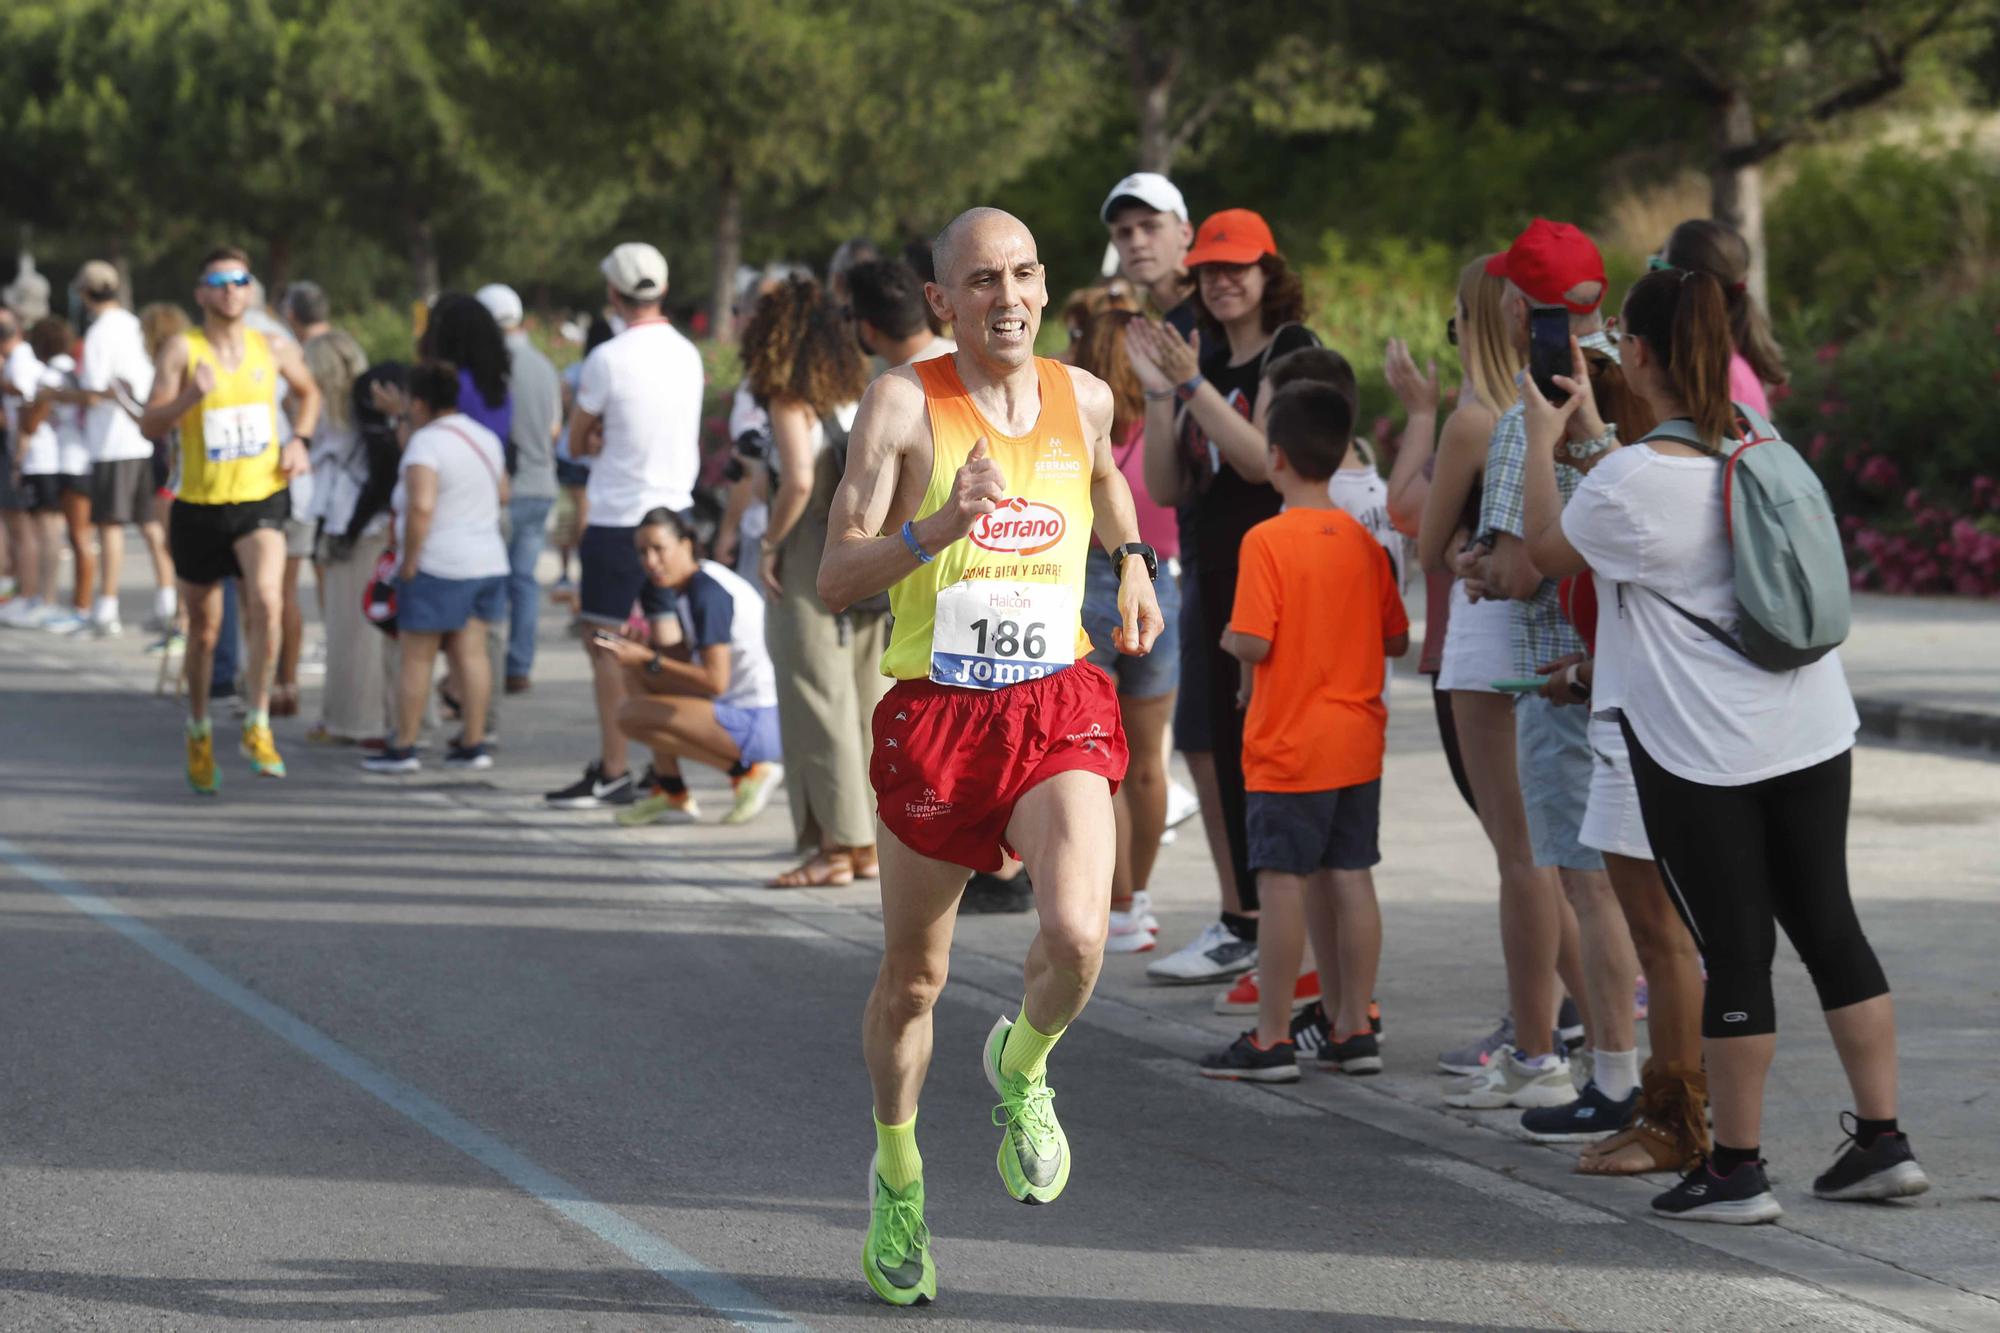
x=1552, y=753
x=1159, y=671
x=755, y=731
x=1298, y=832
x=613, y=578
x=428, y=604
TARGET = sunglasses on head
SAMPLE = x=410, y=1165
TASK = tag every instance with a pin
x=235, y=277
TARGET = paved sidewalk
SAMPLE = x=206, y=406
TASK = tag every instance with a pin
x=1927, y=669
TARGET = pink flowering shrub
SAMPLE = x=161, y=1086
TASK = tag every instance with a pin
x=1902, y=423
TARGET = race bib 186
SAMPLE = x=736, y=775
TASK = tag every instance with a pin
x=989, y=633
x=232, y=433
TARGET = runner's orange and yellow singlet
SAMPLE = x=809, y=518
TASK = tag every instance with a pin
x=229, y=441
x=1003, y=605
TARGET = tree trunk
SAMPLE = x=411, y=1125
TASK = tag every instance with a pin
x=1736, y=193
x=728, y=255
x=1152, y=93
x=424, y=259
x=277, y=266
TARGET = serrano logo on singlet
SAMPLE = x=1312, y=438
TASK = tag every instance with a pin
x=1020, y=527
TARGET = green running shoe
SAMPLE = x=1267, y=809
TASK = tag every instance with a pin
x=896, y=1257
x=1034, y=1155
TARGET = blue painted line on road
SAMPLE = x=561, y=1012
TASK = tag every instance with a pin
x=719, y=1293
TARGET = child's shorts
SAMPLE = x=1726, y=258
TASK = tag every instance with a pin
x=1299, y=832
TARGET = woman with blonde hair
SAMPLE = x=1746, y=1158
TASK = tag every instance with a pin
x=159, y=322
x=803, y=363
x=1476, y=720
x=354, y=699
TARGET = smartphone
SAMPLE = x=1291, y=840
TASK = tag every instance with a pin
x=1548, y=350
x=1528, y=685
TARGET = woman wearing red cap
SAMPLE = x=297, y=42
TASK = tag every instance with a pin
x=1248, y=303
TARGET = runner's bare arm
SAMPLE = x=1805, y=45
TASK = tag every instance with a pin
x=890, y=443
x=174, y=391
x=293, y=460
x=1114, y=520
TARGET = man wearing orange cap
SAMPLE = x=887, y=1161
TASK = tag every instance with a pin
x=1552, y=265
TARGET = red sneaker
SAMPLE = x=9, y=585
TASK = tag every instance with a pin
x=1242, y=997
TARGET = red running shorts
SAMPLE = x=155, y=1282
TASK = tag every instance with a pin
x=950, y=763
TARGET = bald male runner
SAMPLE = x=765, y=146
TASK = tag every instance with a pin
x=987, y=471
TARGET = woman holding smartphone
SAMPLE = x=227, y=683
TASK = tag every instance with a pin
x=1743, y=773
x=710, y=696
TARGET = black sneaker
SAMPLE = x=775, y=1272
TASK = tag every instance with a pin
x=394, y=759
x=461, y=755
x=1739, y=1198
x=1569, y=1026
x=1359, y=1054
x=1309, y=1031
x=593, y=792
x=1245, y=1059
x=1590, y=1117
x=1887, y=1169
x=989, y=895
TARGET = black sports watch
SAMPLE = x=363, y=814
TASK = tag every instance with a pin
x=1144, y=552
x=654, y=667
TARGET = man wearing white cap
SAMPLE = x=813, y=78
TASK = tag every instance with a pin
x=537, y=394
x=638, y=418
x=1149, y=227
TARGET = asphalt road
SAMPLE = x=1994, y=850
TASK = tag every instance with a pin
x=418, y=1055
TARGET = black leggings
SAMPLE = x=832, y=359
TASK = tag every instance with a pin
x=1448, y=734
x=1739, y=862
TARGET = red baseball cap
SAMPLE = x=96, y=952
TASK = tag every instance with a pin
x=1548, y=260
x=1233, y=236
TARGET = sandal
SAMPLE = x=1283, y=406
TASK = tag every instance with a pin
x=823, y=870
x=1669, y=1128
x=284, y=701
x=866, y=865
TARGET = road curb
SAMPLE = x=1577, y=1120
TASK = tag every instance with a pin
x=1973, y=734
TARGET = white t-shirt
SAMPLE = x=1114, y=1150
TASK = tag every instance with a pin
x=464, y=540
x=1364, y=494
x=23, y=373
x=66, y=419
x=1651, y=526
x=646, y=383
x=718, y=607
x=115, y=350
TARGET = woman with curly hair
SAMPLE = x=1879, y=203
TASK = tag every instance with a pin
x=802, y=362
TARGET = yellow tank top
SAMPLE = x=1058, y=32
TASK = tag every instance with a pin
x=229, y=441
x=1004, y=604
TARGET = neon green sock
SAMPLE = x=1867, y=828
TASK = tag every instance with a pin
x=897, y=1160
x=1026, y=1053
x=198, y=727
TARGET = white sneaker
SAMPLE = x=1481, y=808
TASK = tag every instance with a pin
x=1214, y=955
x=65, y=622
x=1182, y=804
x=1128, y=935
x=107, y=629
x=1506, y=1081
x=25, y=613
x=1142, y=907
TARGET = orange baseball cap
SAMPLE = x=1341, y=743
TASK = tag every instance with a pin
x=1233, y=236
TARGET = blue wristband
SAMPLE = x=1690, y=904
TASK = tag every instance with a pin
x=1186, y=389
x=916, y=547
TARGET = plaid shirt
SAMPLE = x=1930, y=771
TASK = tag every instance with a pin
x=1540, y=632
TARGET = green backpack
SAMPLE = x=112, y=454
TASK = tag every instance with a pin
x=1791, y=574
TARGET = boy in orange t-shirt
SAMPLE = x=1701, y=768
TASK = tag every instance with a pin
x=1317, y=610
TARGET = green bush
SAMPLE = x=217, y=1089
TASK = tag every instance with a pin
x=1852, y=236
x=1900, y=422
x=1356, y=300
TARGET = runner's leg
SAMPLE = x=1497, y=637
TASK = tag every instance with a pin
x=919, y=901
x=203, y=603
x=261, y=556
x=1058, y=828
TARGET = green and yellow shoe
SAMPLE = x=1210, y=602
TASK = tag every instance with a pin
x=202, y=774
x=896, y=1257
x=1034, y=1154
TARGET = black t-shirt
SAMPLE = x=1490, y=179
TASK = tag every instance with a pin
x=1181, y=319
x=1223, y=506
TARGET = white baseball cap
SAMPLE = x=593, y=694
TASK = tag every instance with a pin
x=502, y=302
x=636, y=270
x=1149, y=188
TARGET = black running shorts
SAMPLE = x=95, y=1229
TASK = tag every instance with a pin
x=202, y=538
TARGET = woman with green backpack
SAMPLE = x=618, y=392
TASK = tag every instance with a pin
x=1716, y=654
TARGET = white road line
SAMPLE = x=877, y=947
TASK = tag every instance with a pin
x=719, y=1293
x=1519, y=1193
x=1828, y=1311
